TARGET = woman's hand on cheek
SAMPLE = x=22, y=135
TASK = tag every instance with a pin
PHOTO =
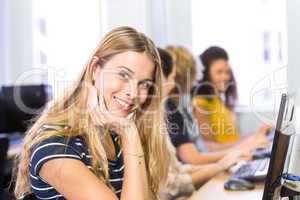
x=101, y=116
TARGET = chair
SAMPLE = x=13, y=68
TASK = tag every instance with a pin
x=20, y=104
x=14, y=118
x=30, y=197
x=4, y=194
x=2, y=114
x=3, y=155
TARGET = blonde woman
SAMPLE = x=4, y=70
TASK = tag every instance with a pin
x=184, y=179
x=101, y=140
x=183, y=128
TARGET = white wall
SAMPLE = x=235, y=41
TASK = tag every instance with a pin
x=71, y=35
x=4, y=41
x=239, y=27
x=116, y=13
x=165, y=21
x=179, y=25
x=16, y=39
x=293, y=19
x=71, y=31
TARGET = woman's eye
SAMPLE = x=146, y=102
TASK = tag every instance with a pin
x=145, y=85
x=124, y=75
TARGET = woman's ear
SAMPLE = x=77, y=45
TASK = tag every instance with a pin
x=94, y=68
x=95, y=74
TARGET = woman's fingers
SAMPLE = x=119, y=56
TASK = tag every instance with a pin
x=246, y=155
x=101, y=116
x=265, y=129
x=255, y=141
x=93, y=107
x=231, y=158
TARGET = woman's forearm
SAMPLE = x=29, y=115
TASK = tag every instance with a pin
x=204, y=173
x=188, y=153
x=212, y=157
x=135, y=184
x=214, y=146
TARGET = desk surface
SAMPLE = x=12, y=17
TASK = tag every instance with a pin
x=214, y=190
x=15, y=145
x=13, y=151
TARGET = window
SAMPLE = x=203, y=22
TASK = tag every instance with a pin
x=254, y=34
x=65, y=33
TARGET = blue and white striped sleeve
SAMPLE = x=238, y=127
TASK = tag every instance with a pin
x=52, y=148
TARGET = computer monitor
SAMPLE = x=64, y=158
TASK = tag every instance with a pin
x=3, y=155
x=2, y=115
x=19, y=104
x=280, y=148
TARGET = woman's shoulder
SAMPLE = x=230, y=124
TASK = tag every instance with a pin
x=53, y=142
x=54, y=146
x=57, y=134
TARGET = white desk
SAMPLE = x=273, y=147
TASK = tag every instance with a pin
x=214, y=190
x=15, y=145
x=13, y=151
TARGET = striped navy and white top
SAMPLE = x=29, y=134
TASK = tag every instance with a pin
x=74, y=148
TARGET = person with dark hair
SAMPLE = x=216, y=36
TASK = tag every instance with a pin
x=182, y=178
x=166, y=62
x=168, y=70
x=214, y=99
x=215, y=62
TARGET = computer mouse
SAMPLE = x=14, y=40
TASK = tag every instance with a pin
x=236, y=184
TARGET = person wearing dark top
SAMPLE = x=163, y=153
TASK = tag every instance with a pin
x=99, y=140
x=183, y=179
x=175, y=123
x=73, y=148
x=183, y=131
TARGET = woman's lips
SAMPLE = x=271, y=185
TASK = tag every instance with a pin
x=122, y=104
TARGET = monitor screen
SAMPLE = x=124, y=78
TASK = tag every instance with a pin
x=279, y=149
x=20, y=104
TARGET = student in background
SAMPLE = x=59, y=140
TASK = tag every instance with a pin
x=183, y=129
x=183, y=179
x=214, y=99
x=100, y=141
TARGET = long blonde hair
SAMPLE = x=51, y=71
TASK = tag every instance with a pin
x=71, y=109
x=185, y=64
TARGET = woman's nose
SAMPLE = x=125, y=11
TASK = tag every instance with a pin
x=132, y=90
x=224, y=77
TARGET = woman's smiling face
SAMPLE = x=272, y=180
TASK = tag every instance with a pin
x=220, y=74
x=124, y=81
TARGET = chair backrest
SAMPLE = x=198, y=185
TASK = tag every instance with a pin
x=20, y=104
x=4, y=142
x=30, y=197
x=2, y=114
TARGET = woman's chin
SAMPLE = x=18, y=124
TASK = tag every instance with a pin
x=120, y=114
x=221, y=89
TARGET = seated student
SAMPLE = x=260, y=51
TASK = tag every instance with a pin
x=183, y=129
x=183, y=179
x=100, y=141
x=214, y=99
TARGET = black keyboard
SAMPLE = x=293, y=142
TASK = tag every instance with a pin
x=262, y=153
x=255, y=170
